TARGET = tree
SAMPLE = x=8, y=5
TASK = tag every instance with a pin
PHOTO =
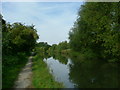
x=97, y=30
x=18, y=37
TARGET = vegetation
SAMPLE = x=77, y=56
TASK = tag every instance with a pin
x=11, y=68
x=95, y=35
x=62, y=47
x=17, y=42
x=96, y=32
x=42, y=48
x=42, y=77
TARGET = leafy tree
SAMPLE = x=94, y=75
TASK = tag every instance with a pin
x=18, y=37
x=17, y=42
x=96, y=30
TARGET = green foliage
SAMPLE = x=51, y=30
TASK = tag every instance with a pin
x=17, y=41
x=42, y=46
x=18, y=38
x=97, y=30
x=11, y=67
x=60, y=48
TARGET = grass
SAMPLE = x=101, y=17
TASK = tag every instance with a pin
x=11, y=69
x=41, y=75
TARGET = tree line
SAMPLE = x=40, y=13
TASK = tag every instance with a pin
x=18, y=40
x=96, y=32
x=62, y=47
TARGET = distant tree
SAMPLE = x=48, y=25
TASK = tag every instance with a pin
x=42, y=47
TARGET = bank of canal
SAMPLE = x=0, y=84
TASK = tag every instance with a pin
x=41, y=76
x=59, y=71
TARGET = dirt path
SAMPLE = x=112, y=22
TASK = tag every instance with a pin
x=24, y=78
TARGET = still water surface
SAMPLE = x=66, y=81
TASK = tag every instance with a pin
x=75, y=73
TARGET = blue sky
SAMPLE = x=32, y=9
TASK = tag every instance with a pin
x=52, y=20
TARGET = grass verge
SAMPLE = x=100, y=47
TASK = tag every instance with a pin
x=41, y=76
x=11, y=67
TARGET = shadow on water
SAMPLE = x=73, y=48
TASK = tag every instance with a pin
x=75, y=73
x=94, y=73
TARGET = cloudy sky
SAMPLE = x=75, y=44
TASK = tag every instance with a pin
x=52, y=20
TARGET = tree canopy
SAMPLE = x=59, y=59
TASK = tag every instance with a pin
x=18, y=37
x=97, y=29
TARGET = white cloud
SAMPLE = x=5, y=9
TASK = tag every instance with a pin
x=52, y=20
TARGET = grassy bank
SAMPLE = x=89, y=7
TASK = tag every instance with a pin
x=41, y=76
x=11, y=69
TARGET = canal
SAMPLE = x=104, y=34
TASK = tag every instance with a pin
x=78, y=73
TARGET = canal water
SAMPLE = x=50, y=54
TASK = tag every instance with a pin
x=76, y=73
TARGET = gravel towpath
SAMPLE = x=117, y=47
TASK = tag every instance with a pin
x=24, y=78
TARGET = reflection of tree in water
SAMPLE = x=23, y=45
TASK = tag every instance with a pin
x=94, y=74
x=44, y=55
x=61, y=58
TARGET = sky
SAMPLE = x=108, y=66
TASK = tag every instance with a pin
x=52, y=20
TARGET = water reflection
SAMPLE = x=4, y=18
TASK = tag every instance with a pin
x=62, y=59
x=60, y=71
x=94, y=74
x=74, y=73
